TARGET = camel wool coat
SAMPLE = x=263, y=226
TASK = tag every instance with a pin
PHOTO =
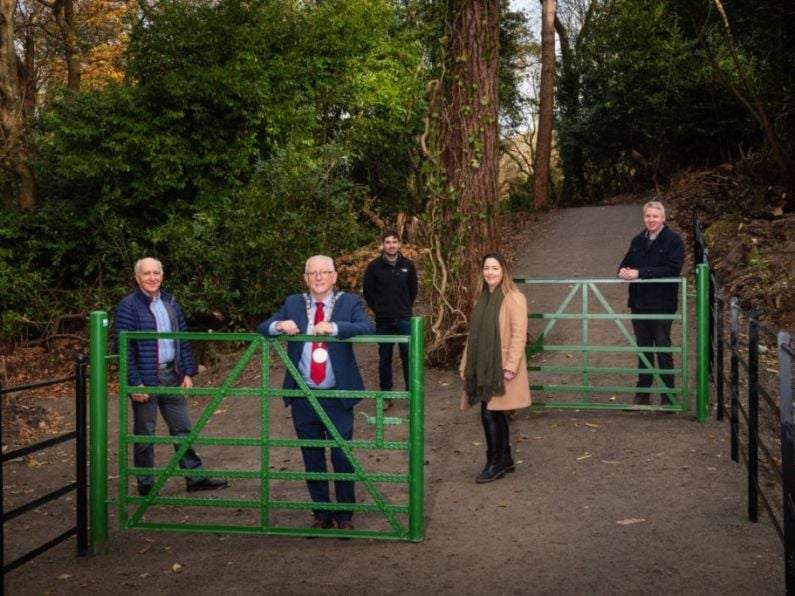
x=513, y=337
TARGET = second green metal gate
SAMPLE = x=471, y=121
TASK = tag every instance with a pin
x=582, y=353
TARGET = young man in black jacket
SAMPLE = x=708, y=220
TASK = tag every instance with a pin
x=656, y=252
x=390, y=288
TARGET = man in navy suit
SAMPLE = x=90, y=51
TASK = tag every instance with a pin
x=323, y=311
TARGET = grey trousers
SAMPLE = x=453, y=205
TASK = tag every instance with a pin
x=174, y=409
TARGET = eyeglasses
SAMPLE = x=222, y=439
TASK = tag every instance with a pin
x=318, y=273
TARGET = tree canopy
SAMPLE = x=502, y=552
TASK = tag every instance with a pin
x=234, y=138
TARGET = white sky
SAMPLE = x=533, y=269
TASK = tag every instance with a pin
x=532, y=8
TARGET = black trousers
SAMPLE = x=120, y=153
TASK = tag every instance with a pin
x=657, y=334
x=308, y=425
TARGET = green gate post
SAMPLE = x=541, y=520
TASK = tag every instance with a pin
x=98, y=436
x=416, y=431
x=702, y=341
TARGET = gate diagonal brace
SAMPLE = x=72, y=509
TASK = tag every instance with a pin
x=340, y=443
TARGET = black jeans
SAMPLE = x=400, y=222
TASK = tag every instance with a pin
x=657, y=334
x=392, y=327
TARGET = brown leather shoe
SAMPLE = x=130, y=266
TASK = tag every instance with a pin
x=345, y=524
x=322, y=524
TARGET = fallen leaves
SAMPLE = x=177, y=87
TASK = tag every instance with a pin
x=630, y=521
x=31, y=462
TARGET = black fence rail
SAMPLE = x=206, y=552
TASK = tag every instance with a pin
x=758, y=379
x=786, y=359
x=79, y=435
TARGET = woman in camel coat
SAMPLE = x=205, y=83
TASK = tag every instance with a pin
x=494, y=366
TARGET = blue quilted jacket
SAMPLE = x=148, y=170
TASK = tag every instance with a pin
x=134, y=313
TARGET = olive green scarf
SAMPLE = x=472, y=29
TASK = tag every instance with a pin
x=483, y=376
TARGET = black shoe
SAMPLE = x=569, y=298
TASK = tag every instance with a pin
x=490, y=473
x=642, y=400
x=206, y=484
x=144, y=489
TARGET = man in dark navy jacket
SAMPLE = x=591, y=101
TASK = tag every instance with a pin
x=162, y=362
x=323, y=312
x=657, y=251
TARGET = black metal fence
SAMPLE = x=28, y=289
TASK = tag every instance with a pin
x=759, y=382
x=786, y=359
x=79, y=435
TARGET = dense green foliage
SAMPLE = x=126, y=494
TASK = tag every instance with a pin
x=249, y=135
x=647, y=93
x=246, y=137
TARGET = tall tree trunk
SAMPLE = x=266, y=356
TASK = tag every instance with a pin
x=546, y=96
x=464, y=192
x=65, y=18
x=14, y=154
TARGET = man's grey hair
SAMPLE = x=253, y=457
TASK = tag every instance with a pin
x=654, y=205
x=139, y=263
x=329, y=260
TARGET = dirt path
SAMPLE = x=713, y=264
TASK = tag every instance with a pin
x=602, y=502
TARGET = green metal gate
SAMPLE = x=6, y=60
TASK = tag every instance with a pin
x=386, y=452
x=568, y=370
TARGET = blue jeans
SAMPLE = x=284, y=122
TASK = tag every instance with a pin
x=392, y=327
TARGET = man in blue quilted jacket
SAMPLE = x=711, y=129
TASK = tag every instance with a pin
x=161, y=362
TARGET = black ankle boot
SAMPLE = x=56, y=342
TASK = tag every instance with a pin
x=492, y=428
x=493, y=470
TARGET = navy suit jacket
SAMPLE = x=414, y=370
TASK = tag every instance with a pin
x=664, y=257
x=350, y=319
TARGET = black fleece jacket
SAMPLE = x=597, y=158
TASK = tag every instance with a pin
x=390, y=290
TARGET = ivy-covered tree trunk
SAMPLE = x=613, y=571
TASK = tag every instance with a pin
x=464, y=184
